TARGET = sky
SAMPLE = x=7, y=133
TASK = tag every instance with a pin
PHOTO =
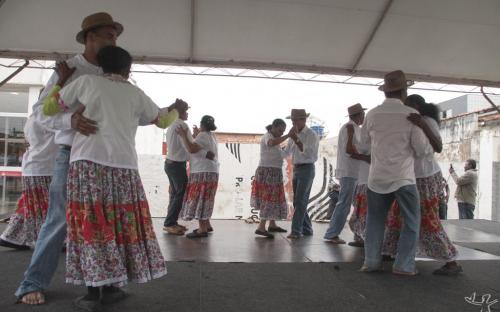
x=248, y=105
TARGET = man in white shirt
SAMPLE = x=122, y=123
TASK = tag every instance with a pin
x=175, y=168
x=98, y=30
x=395, y=142
x=303, y=146
x=346, y=172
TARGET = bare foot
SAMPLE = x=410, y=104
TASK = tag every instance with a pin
x=33, y=298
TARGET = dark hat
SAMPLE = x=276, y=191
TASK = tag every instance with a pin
x=395, y=81
x=96, y=20
x=355, y=109
x=298, y=113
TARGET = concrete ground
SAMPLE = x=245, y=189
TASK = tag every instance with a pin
x=233, y=270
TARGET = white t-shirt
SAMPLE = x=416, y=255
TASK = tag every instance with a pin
x=346, y=165
x=270, y=156
x=176, y=150
x=198, y=162
x=118, y=108
x=38, y=160
x=426, y=165
x=62, y=122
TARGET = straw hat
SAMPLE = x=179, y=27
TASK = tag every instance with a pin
x=97, y=20
x=355, y=109
x=298, y=113
x=395, y=81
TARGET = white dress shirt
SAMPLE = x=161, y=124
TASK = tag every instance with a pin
x=198, y=162
x=310, y=142
x=38, y=160
x=62, y=122
x=176, y=150
x=118, y=108
x=395, y=142
x=426, y=165
x=270, y=156
x=346, y=165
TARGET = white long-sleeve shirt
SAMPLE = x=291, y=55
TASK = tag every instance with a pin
x=310, y=142
x=61, y=123
x=346, y=165
x=395, y=142
x=38, y=160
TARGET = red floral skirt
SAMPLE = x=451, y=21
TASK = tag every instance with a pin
x=268, y=194
x=110, y=234
x=433, y=240
x=31, y=211
x=199, y=198
x=357, y=222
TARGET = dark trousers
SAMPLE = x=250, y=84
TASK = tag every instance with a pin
x=466, y=210
x=177, y=176
x=443, y=210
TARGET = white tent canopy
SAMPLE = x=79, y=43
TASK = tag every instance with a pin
x=449, y=41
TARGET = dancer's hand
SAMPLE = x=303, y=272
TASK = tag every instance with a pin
x=416, y=119
x=181, y=131
x=82, y=124
x=210, y=155
x=196, y=131
x=64, y=72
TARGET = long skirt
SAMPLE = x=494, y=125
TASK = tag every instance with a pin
x=268, y=194
x=357, y=222
x=433, y=240
x=199, y=198
x=110, y=234
x=31, y=211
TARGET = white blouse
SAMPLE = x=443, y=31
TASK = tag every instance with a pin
x=198, y=162
x=270, y=156
x=38, y=160
x=118, y=108
x=426, y=165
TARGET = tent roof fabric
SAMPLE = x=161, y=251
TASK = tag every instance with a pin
x=449, y=41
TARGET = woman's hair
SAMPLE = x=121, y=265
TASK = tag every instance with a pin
x=424, y=108
x=114, y=60
x=276, y=123
x=208, y=123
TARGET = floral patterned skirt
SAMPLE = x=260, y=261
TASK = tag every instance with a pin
x=357, y=222
x=110, y=234
x=268, y=193
x=199, y=198
x=433, y=240
x=31, y=211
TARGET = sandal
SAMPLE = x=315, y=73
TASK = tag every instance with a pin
x=7, y=244
x=38, y=295
x=404, y=273
x=359, y=244
x=82, y=304
x=276, y=229
x=448, y=270
x=197, y=234
x=112, y=295
x=264, y=233
x=336, y=240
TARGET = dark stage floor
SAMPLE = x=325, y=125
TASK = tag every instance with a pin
x=233, y=270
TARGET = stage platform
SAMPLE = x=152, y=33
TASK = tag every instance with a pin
x=234, y=270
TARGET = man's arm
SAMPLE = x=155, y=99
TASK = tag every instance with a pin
x=465, y=179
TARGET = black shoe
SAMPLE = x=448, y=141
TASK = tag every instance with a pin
x=7, y=244
x=387, y=258
x=85, y=305
x=197, y=234
x=112, y=295
x=448, y=270
x=264, y=233
x=276, y=229
x=356, y=244
x=307, y=233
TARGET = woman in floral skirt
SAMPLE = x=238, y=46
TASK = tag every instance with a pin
x=433, y=240
x=203, y=178
x=110, y=233
x=268, y=192
x=25, y=223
